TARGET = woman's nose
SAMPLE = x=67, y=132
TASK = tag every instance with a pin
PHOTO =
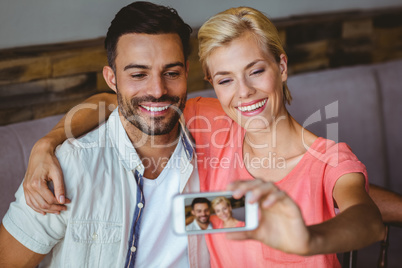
x=245, y=89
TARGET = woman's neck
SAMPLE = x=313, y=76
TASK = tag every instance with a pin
x=271, y=154
x=230, y=223
x=277, y=136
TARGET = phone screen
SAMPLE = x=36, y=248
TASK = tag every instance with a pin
x=214, y=212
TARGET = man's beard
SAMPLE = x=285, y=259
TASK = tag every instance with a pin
x=129, y=109
x=206, y=221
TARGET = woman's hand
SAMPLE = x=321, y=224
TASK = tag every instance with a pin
x=43, y=167
x=281, y=223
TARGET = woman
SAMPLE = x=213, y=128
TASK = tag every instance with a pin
x=242, y=57
x=223, y=210
x=297, y=177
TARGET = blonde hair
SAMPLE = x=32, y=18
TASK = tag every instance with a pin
x=218, y=200
x=230, y=24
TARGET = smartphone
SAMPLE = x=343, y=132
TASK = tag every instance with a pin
x=213, y=212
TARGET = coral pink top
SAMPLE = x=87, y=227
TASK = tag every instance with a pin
x=217, y=223
x=220, y=161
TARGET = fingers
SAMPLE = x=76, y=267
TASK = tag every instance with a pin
x=43, y=167
x=43, y=208
x=238, y=235
x=44, y=202
x=266, y=193
x=57, y=178
x=240, y=188
x=280, y=219
x=32, y=203
x=273, y=198
x=40, y=198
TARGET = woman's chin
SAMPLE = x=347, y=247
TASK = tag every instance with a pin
x=225, y=219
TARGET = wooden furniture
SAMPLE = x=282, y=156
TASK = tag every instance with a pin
x=350, y=258
x=43, y=80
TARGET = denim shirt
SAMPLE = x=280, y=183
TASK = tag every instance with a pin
x=103, y=178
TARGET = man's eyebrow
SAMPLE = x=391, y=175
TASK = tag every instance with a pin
x=147, y=67
x=137, y=66
x=170, y=65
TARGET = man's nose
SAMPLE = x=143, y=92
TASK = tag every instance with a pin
x=157, y=87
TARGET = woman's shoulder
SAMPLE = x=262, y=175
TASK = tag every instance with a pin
x=215, y=221
x=328, y=146
x=207, y=106
x=205, y=113
x=240, y=223
x=331, y=152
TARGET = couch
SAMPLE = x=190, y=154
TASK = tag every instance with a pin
x=359, y=105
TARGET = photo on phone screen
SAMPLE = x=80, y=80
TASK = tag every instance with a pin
x=213, y=212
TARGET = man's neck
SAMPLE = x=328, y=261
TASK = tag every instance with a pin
x=203, y=226
x=153, y=150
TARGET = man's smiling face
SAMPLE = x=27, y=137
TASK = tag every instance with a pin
x=201, y=213
x=150, y=81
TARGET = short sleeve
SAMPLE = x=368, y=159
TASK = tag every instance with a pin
x=341, y=161
x=37, y=232
x=190, y=109
x=215, y=221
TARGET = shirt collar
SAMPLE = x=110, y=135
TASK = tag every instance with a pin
x=187, y=139
x=125, y=149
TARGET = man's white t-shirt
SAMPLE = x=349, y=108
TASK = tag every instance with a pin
x=156, y=224
x=195, y=227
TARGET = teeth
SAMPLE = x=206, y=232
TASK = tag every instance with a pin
x=155, y=109
x=252, y=107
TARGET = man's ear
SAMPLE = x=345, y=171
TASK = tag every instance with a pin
x=283, y=65
x=110, y=77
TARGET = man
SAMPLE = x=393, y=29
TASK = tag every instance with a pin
x=201, y=210
x=122, y=176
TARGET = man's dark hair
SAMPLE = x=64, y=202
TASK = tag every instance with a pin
x=147, y=18
x=200, y=200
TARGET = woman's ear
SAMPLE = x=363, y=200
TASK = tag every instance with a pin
x=208, y=79
x=283, y=66
x=110, y=77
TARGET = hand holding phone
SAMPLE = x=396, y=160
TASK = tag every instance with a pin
x=212, y=212
x=281, y=224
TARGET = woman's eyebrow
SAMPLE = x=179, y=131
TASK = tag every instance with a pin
x=251, y=64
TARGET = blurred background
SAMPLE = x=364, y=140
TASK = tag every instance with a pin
x=51, y=51
x=25, y=23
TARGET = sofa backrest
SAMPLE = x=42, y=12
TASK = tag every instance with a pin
x=389, y=77
x=17, y=141
x=343, y=105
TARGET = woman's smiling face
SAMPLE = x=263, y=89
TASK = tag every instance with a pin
x=223, y=211
x=248, y=82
